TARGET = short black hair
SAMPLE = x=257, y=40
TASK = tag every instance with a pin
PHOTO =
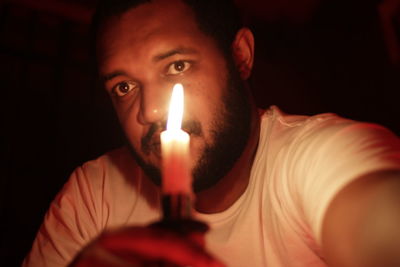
x=218, y=19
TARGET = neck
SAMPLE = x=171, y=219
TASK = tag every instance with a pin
x=232, y=186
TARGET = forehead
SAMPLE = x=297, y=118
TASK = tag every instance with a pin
x=149, y=26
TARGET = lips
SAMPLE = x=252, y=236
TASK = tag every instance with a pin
x=150, y=143
x=193, y=128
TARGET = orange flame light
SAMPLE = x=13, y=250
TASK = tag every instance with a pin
x=175, y=148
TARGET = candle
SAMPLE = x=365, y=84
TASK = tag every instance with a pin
x=175, y=149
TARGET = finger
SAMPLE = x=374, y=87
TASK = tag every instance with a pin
x=100, y=257
x=192, y=229
x=155, y=244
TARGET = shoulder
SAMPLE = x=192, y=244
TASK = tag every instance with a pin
x=280, y=130
x=116, y=158
x=280, y=121
x=114, y=169
x=319, y=128
x=325, y=138
x=117, y=162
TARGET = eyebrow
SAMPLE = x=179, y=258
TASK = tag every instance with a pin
x=112, y=75
x=178, y=51
x=170, y=53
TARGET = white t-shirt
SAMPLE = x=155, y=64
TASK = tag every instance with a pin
x=301, y=163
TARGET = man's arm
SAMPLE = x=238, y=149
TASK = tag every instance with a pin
x=362, y=224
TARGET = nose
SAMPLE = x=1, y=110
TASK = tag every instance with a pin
x=153, y=104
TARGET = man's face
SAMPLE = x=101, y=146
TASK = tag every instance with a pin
x=142, y=54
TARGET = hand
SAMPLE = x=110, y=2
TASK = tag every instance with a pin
x=146, y=246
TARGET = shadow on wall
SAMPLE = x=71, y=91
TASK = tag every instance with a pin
x=334, y=60
x=55, y=117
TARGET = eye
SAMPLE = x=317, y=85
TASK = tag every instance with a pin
x=178, y=67
x=124, y=87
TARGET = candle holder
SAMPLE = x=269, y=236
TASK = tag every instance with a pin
x=177, y=215
x=176, y=207
x=176, y=202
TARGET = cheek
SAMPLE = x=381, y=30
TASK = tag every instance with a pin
x=204, y=108
x=205, y=102
x=127, y=115
x=204, y=91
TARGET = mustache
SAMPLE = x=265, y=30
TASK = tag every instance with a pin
x=148, y=141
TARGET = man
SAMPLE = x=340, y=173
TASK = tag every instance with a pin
x=275, y=189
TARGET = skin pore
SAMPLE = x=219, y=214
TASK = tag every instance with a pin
x=142, y=53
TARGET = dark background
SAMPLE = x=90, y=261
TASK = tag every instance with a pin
x=312, y=56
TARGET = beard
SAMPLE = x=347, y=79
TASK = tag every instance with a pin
x=230, y=132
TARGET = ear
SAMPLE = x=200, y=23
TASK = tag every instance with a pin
x=243, y=52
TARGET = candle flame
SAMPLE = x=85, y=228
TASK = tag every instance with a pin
x=175, y=112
